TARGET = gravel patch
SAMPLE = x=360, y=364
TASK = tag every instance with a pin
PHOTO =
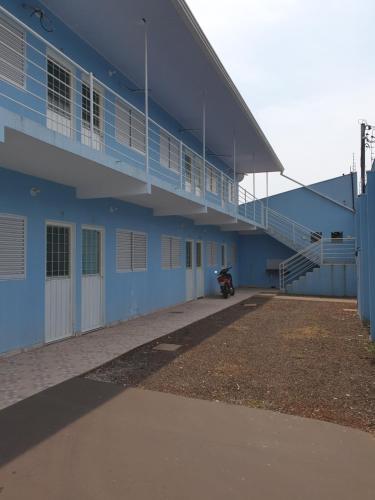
x=306, y=358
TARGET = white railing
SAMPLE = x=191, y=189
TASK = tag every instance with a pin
x=288, y=231
x=325, y=251
x=69, y=100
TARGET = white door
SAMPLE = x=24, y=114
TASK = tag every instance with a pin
x=190, y=271
x=97, y=133
x=92, y=279
x=59, y=282
x=199, y=273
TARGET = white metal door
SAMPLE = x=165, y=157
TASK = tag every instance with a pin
x=92, y=279
x=190, y=271
x=199, y=273
x=59, y=282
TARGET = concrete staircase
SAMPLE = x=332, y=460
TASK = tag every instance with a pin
x=320, y=266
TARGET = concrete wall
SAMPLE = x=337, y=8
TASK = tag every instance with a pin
x=331, y=280
x=127, y=294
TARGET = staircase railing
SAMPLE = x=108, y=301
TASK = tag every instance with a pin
x=288, y=231
x=326, y=251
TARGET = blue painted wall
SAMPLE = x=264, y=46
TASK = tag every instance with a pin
x=127, y=294
x=254, y=252
x=317, y=213
x=311, y=211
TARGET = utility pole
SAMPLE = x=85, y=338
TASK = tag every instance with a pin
x=363, y=157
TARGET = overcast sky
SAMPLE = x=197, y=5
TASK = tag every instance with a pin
x=306, y=70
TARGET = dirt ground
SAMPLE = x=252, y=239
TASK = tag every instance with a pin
x=300, y=357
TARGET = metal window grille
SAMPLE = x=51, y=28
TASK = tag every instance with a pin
x=169, y=151
x=58, y=252
x=12, y=53
x=59, y=89
x=12, y=247
x=86, y=108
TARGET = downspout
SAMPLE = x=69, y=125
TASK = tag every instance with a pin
x=353, y=199
x=318, y=193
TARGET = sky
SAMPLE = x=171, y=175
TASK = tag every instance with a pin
x=306, y=70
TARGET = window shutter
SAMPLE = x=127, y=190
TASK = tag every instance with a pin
x=175, y=253
x=122, y=123
x=138, y=130
x=165, y=252
x=124, y=250
x=12, y=53
x=164, y=149
x=139, y=252
x=12, y=247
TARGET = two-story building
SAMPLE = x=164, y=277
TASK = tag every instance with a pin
x=122, y=144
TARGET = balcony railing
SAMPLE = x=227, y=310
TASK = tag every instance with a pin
x=39, y=82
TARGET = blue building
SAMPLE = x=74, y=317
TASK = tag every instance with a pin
x=122, y=145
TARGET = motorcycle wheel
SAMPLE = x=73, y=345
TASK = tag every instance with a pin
x=232, y=291
x=225, y=292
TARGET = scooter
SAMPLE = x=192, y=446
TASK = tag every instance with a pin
x=225, y=281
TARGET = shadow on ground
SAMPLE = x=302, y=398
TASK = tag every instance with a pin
x=26, y=424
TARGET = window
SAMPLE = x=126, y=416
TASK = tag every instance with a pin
x=211, y=180
x=315, y=236
x=12, y=53
x=199, y=253
x=58, y=252
x=223, y=256
x=189, y=254
x=337, y=236
x=170, y=252
x=131, y=251
x=233, y=254
x=211, y=253
x=188, y=164
x=59, y=96
x=130, y=127
x=12, y=247
x=230, y=192
x=169, y=151
x=90, y=252
x=97, y=118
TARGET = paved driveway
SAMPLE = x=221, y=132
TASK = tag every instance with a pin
x=28, y=373
x=87, y=440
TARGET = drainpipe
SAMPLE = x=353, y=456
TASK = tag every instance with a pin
x=254, y=194
x=91, y=85
x=267, y=200
x=146, y=100
x=234, y=173
x=204, y=144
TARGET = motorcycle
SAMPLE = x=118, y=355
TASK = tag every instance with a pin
x=225, y=281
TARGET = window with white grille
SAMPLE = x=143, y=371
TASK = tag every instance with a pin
x=211, y=253
x=12, y=53
x=169, y=151
x=12, y=247
x=59, y=110
x=212, y=178
x=130, y=126
x=131, y=251
x=170, y=252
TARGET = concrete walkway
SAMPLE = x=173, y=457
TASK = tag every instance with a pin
x=86, y=440
x=28, y=373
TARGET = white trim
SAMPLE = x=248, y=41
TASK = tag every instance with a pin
x=101, y=229
x=73, y=257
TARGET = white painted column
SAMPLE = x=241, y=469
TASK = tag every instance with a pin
x=147, y=159
x=254, y=194
x=91, y=88
x=235, y=194
x=267, y=199
x=204, y=145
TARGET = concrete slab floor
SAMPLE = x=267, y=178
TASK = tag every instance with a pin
x=27, y=373
x=316, y=299
x=86, y=440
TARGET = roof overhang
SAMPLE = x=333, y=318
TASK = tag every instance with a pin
x=183, y=70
